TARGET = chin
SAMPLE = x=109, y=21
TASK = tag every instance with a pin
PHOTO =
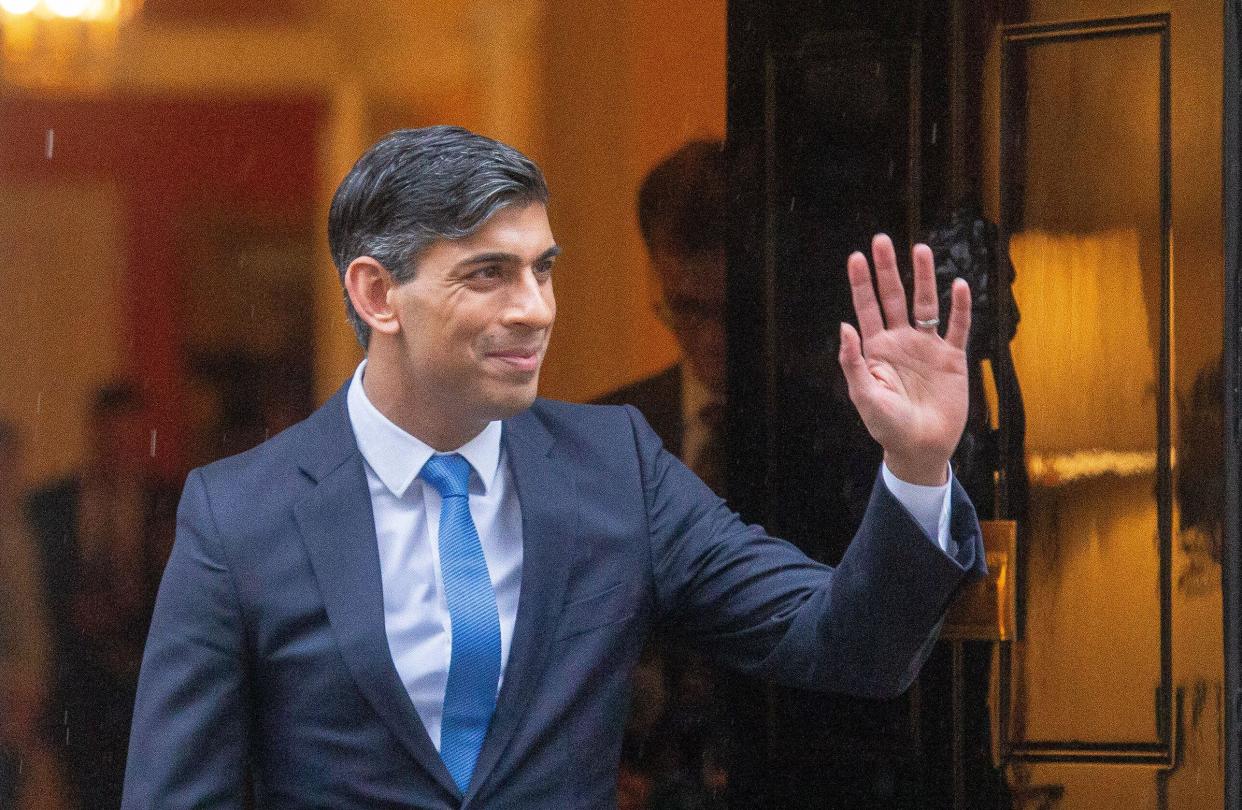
x=510, y=403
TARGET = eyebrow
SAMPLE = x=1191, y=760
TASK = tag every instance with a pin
x=500, y=257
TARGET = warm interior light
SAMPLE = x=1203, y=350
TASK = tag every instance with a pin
x=61, y=44
x=1086, y=351
x=70, y=9
x=18, y=6
x=101, y=10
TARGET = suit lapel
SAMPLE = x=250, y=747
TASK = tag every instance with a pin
x=338, y=529
x=549, y=525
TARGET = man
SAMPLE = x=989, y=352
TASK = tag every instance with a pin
x=104, y=533
x=683, y=215
x=432, y=592
x=28, y=772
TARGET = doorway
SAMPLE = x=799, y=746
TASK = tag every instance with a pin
x=1077, y=150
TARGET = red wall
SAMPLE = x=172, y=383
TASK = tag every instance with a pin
x=167, y=157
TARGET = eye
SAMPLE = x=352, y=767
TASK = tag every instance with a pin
x=488, y=272
x=544, y=268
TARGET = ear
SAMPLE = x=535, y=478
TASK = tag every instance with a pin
x=367, y=283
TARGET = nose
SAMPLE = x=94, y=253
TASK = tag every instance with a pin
x=532, y=303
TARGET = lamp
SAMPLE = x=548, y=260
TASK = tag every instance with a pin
x=1087, y=353
x=60, y=44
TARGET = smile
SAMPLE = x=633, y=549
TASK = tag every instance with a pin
x=520, y=361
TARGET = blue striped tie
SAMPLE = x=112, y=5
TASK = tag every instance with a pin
x=474, y=665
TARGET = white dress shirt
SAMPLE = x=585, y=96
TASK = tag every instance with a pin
x=695, y=434
x=407, y=528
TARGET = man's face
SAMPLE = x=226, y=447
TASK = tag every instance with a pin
x=476, y=317
x=692, y=306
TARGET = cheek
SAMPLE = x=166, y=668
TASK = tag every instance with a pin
x=454, y=336
x=437, y=353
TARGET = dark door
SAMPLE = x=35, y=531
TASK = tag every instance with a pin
x=1070, y=156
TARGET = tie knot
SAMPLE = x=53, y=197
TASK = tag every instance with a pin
x=449, y=474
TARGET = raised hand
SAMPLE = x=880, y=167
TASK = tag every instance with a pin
x=907, y=382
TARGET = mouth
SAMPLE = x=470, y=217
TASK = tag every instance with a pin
x=524, y=360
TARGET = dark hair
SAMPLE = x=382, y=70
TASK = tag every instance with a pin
x=683, y=203
x=417, y=186
x=116, y=397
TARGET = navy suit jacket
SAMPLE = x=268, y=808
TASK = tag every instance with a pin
x=658, y=399
x=267, y=653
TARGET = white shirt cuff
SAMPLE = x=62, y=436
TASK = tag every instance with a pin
x=929, y=506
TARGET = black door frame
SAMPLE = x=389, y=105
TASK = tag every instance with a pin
x=1231, y=568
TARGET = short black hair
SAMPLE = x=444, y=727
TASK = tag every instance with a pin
x=683, y=203
x=417, y=186
x=119, y=396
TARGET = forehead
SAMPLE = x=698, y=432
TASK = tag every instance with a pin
x=515, y=228
x=515, y=233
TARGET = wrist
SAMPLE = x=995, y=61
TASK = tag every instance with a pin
x=918, y=471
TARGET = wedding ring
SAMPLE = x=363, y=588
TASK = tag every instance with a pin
x=930, y=323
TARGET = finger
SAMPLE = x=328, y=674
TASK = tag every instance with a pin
x=865, y=306
x=857, y=377
x=926, y=303
x=959, y=315
x=888, y=282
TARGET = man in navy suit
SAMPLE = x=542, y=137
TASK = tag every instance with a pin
x=432, y=592
x=683, y=214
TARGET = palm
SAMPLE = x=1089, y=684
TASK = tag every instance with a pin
x=908, y=383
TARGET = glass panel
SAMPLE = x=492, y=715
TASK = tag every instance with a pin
x=1086, y=248
x=1086, y=239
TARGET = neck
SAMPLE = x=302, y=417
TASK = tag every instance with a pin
x=391, y=389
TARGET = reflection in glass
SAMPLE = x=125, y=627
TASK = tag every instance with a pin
x=1086, y=244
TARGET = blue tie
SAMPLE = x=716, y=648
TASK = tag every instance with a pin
x=474, y=665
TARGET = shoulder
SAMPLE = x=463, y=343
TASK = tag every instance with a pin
x=261, y=472
x=659, y=389
x=261, y=485
x=599, y=422
x=599, y=436
x=658, y=397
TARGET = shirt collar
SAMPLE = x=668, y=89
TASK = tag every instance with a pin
x=396, y=457
x=695, y=396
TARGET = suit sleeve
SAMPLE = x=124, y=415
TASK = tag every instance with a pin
x=758, y=604
x=189, y=742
